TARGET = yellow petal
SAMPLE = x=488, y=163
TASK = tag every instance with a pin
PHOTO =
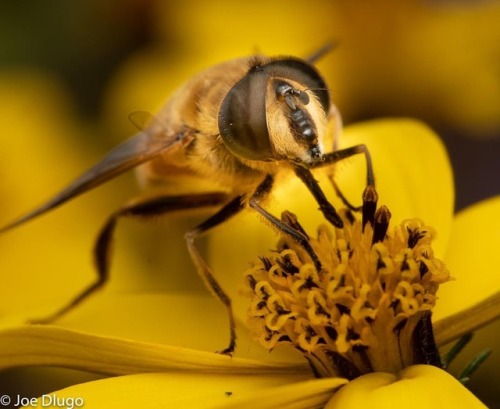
x=465, y=321
x=182, y=320
x=419, y=386
x=199, y=391
x=472, y=258
x=40, y=345
x=307, y=394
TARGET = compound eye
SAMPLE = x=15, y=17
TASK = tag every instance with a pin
x=242, y=118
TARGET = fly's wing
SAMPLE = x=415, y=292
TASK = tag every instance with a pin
x=140, y=148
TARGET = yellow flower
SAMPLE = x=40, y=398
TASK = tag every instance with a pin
x=362, y=304
x=414, y=180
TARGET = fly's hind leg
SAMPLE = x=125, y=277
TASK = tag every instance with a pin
x=230, y=209
x=144, y=208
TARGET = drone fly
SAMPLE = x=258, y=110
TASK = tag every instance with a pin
x=237, y=125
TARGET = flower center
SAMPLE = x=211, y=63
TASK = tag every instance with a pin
x=368, y=307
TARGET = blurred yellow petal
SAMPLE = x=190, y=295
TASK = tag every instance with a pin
x=419, y=386
x=46, y=261
x=199, y=391
x=224, y=27
x=472, y=258
x=39, y=148
x=408, y=58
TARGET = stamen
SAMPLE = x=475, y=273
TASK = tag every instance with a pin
x=370, y=198
x=287, y=266
x=414, y=236
x=382, y=218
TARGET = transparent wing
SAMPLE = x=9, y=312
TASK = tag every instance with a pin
x=140, y=148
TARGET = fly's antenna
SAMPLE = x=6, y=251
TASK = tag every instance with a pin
x=314, y=57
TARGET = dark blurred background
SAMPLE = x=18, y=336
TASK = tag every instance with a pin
x=438, y=61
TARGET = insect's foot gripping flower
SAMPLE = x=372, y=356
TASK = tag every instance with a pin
x=366, y=310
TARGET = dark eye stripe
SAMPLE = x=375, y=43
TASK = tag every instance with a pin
x=242, y=117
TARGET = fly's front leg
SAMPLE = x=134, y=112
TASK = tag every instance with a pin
x=324, y=205
x=204, y=270
x=338, y=155
x=144, y=208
